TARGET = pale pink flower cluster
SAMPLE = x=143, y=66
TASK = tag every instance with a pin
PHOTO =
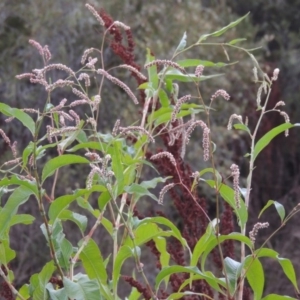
x=286, y=119
x=121, y=25
x=134, y=70
x=199, y=71
x=233, y=117
x=104, y=172
x=13, y=147
x=116, y=128
x=205, y=139
x=56, y=84
x=279, y=103
x=124, y=130
x=92, y=122
x=43, y=51
x=86, y=78
x=52, y=132
x=178, y=105
x=75, y=116
x=254, y=231
x=164, y=191
x=221, y=93
x=235, y=173
x=86, y=53
x=80, y=94
x=96, y=15
x=41, y=72
x=255, y=74
x=275, y=74
x=165, y=62
x=119, y=83
x=91, y=63
x=164, y=154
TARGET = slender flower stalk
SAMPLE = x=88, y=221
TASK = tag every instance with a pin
x=164, y=62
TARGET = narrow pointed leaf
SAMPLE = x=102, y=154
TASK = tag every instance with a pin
x=40, y=293
x=235, y=41
x=83, y=289
x=255, y=276
x=19, y=196
x=68, y=159
x=26, y=120
x=196, y=62
x=278, y=297
x=21, y=219
x=174, y=74
x=93, y=262
x=222, y=30
x=279, y=207
x=182, y=43
x=232, y=268
x=269, y=136
x=6, y=253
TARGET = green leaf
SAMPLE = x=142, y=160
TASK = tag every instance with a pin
x=88, y=145
x=53, y=164
x=174, y=74
x=139, y=191
x=78, y=219
x=269, y=136
x=6, y=253
x=62, y=247
x=14, y=180
x=144, y=233
x=202, y=243
x=277, y=297
x=161, y=246
x=117, y=165
x=279, y=207
x=55, y=294
x=63, y=251
x=166, y=272
x=25, y=119
x=289, y=271
x=227, y=194
x=235, y=41
x=242, y=127
x=83, y=288
x=255, y=276
x=236, y=236
x=59, y=205
x=24, y=292
x=285, y=263
x=196, y=62
x=27, y=151
x=163, y=221
x=163, y=98
x=187, y=293
x=123, y=253
x=151, y=184
x=40, y=293
x=232, y=269
x=21, y=219
x=222, y=30
x=209, y=277
x=70, y=137
x=182, y=43
x=215, y=173
x=19, y=196
x=152, y=71
x=92, y=261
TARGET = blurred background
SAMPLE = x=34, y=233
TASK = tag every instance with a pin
x=68, y=29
